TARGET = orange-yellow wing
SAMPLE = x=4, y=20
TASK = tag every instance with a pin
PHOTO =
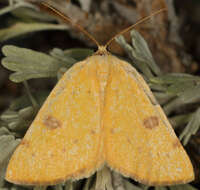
x=139, y=141
x=64, y=141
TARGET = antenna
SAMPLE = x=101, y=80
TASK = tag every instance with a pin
x=67, y=20
x=132, y=26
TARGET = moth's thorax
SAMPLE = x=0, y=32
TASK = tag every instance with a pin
x=102, y=71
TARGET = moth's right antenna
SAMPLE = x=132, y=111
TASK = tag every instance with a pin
x=132, y=26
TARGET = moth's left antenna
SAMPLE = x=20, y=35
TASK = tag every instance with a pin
x=66, y=19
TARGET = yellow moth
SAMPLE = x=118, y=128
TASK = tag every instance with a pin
x=100, y=113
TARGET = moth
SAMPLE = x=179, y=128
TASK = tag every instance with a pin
x=100, y=113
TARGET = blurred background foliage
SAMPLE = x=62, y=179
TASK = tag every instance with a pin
x=37, y=48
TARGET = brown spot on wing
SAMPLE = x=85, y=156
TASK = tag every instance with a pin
x=75, y=141
x=151, y=122
x=128, y=140
x=51, y=122
x=112, y=130
x=24, y=142
x=176, y=144
x=81, y=171
x=93, y=132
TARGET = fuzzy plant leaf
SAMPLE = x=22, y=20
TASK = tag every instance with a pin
x=21, y=28
x=78, y=53
x=181, y=88
x=173, y=105
x=7, y=146
x=161, y=188
x=13, y=6
x=4, y=131
x=130, y=186
x=179, y=84
x=191, y=95
x=69, y=185
x=182, y=187
x=27, y=14
x=18, y=120
x=142, y=51
x=60, y=55
x=24, y=101
x=103, y=179
x=40, y=188
x=29, y=64
x=180, y=120
x=140, y=54
x=171, y=78
x=58, y=187
x=71, y=55
x=191, y=128
x=178, y=88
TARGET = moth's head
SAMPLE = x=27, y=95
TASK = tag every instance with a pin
x=102, y=50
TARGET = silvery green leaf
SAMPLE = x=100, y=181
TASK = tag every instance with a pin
x=24, y=101
x=144, y=187
x=60, y=55
x=12, y=7
x=3, y=188
x=163, y=97
x=21, y=28
x=14, y=125
x=172, y=105
x=118, y=181
x=4, y=131
x=191, y=128
x=4, y=141
x=25, y=113
x=103, y=179
x=182, y=187
x=190, y=95
x=29, y=64
x=130, y=186
x=177, y=88
x=157, y=87
x=78, y=54
x=186, y=97
x=7, y=146
x=87, y=185
x=131, y=52
x=172, y=78
x=161, y=188
x=58, y=187
x=139, y=54
x=40, y=188
x=18, y=120
x=180, y=120
x=142, y=51
x=25, y=13
x=9, y=115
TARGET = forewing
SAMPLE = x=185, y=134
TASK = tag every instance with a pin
x=139, y=141
x=64, y=141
